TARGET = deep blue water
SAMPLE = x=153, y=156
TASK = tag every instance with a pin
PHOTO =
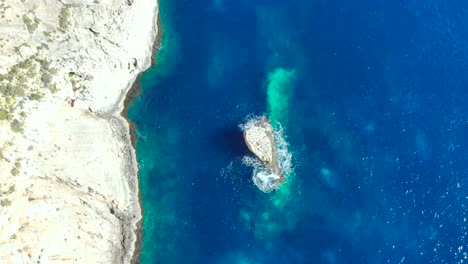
x=376, y=120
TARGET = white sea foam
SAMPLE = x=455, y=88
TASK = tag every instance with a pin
x=282, y=148
x=263, y=177
x=251, y=121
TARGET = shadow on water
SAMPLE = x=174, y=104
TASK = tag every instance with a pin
x=230, y=140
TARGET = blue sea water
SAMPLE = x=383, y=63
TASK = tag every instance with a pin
x=372, y=97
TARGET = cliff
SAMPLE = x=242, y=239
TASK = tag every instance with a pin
x=68, y=173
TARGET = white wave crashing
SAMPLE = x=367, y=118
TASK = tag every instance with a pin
x=263, y=177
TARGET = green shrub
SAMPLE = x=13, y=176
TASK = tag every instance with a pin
x=16, y=126
x=22, y=79
x=15, y=171
x=31, y=25
x=11, y=189
x=3, y=114
x=64, y=17
x=16, y=91
x=46, y=78
x=35, y=96
x=5, y=202
x=44, y=64
x=9, y=90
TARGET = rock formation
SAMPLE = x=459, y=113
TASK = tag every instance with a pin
x=259, y=137
x=68, y=174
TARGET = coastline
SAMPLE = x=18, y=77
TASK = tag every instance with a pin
x=67, y=151
x=132, y=136
x=134, y=91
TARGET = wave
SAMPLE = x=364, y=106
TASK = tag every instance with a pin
x=263, y=176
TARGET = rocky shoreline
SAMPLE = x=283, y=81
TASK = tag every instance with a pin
x=69, y=185
x=132, y=93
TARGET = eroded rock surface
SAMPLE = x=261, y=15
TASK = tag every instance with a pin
x=259, y=137
x=259, y=140
x=68, y=183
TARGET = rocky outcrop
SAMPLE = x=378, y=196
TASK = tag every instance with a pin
x=259, y=137
x=68, y=174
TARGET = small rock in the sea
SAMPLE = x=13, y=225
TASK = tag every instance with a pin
x=259, y=137
x=259, y=140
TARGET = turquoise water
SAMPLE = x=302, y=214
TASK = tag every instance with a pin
x=371, y=99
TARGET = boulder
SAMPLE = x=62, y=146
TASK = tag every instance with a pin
x=259, y=137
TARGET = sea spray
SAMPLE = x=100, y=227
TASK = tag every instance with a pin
x=272, y=158
x=269, y=176
x=280, y=88
x=280, y=84
x=279, y=212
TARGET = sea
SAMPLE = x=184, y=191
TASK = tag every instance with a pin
x=369, y=100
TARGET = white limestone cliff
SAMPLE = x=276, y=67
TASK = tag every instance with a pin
x=68, y=172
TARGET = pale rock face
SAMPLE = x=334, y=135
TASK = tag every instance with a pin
x=259, y=137
x=68, y=183
x=259, y=141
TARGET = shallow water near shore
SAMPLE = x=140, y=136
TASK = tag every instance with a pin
x=372, y=101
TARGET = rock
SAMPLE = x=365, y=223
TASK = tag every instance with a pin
x=259, y=137
x=259, y=140
x=69, y=187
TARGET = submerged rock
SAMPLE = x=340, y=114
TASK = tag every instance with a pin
x=259, y=137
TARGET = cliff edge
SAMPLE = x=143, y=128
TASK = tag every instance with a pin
x=68, y=172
